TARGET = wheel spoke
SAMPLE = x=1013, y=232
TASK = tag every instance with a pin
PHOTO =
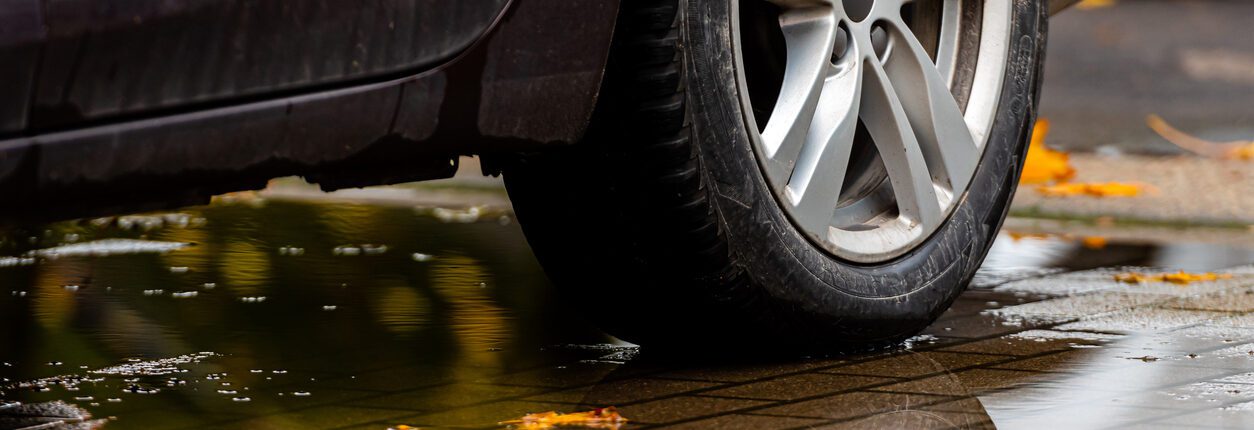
x=934, y=115
x=838, y=76
x=889, y=126
x=816, y=182
x=807, y=32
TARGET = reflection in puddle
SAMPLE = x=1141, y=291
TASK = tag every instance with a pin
x=443, y=318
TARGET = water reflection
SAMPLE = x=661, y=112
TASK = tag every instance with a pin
x=324, y=317
x=471, y=333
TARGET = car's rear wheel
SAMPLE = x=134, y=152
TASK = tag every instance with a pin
x=807, y=173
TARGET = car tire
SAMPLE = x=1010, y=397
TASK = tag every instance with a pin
x=665, y=227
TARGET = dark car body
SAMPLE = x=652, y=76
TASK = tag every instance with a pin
x=108, y=103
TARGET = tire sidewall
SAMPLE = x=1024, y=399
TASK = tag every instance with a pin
x=863, y=301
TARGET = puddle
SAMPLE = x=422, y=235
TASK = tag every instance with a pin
x=271, y=314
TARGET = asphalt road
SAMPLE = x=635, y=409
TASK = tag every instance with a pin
x=1191, y=62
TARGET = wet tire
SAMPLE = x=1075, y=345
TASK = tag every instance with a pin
x=662, y=225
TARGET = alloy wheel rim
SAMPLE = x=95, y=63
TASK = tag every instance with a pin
x=880, y=115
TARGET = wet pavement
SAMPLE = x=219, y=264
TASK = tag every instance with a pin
x=269, y=314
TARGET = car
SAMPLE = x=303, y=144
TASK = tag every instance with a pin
x=800, y=174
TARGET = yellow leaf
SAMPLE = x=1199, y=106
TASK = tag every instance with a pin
x=1236, y=150
x=605, y=418
x=1108, y=189
x=1241, y=152
x=1179, y=278
x=1094, y=4
x=1044, y=165
x=1094, y=242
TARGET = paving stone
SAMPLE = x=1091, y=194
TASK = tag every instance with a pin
x=1081, y=306
x=1064, y=284
x=685, y=408
x=748, y=422
x=1033, y=342
x=1143, y=320
x=982, y=326
x=797, y=386
x=1066, y=361
x=746, y=372
x=922, y=419
x=853, y=405
x=915, y=364
x=625, y=391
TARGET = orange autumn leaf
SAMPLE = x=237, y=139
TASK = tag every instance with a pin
x=1179, y=278
x=1044, y=165
x=1107, y=189
x=1236, y=150
x=1094, y=4
x=1243, y=152
x=1094, y=242
x=606, y=418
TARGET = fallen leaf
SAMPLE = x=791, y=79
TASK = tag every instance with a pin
x=1044, y=165
x=1094, y=242
x=1094, y=4
x=1179, y=278
x=606, y=418
x=1107, y=189
x=1235, y=150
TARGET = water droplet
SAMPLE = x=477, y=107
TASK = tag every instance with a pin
x=179, y=269
x=136, y=389
x=113, y=400
x=420, y=257
x=185, y=294
x=346, y=250
x=329, y=307
x=208, y=285
x=301, y=393
x=228, y=392
x=256, y=371
x=84, y=399
x=257, y=299
x=242, y=399
x=70, y=287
